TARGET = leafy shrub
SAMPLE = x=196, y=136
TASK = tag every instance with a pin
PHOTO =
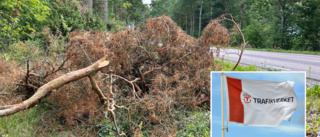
x=69, y=15
x=314, y=91
x=107, y=129
x=312, y=110
x=20, y=51
x=198, y=125
x=20, y=18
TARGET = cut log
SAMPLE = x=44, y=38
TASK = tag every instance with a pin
x=54, y=84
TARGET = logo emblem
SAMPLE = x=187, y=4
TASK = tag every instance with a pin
x=246, y=98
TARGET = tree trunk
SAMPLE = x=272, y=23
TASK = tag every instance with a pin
x=4, y=48
x=54, y=84
x=200, y=14
x=89, y=4
x=211, y=10
x=193, y=20
x=187, y=23
x=226, y=6
x=106, y=17
x=240, y=22
x=112, y=6
x=190, y=30
x=283, y=20
x=120, y=11
x=283, y=6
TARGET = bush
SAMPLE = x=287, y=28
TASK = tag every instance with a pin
x=69, y=15
x=198, y=125
x=20, y=51
x=314, y=91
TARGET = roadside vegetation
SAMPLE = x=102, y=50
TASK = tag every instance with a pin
x=284, y=51
x=227, y=66
x=312, y=111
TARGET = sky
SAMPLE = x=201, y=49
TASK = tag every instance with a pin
x=146, y=1
x=293, y=128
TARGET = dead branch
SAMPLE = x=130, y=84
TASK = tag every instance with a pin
x=29, y=85
x=244, y=41
x=134, y=93
x=59, y=68
x=202, y=101
x=26, y=81
x=4, y=93
x=54, y=84
x=29, y=73
x=6, y=107
x=111, y=106
x=96, y=88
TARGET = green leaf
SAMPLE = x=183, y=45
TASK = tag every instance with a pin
x=140, y=125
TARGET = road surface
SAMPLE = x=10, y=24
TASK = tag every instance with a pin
x=276, y=60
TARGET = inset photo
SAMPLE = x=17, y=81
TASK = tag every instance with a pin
x=252, y=104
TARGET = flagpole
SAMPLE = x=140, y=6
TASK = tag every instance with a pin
x=222, y=114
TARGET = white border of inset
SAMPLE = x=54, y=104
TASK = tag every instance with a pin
x=211, y=103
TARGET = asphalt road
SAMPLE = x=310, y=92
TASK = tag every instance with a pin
x=276, y=60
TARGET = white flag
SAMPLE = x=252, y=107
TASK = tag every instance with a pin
x=259, y=103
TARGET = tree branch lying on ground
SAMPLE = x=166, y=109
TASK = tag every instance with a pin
x=54, y=84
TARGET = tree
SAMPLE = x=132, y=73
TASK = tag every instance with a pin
x=20, y=18
x=240, y=19
x=200, y=15
x=90, y=4
x=106, y=16
x=159, y=7
x=308, y=27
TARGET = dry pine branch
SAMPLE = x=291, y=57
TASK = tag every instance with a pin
x=55, y=84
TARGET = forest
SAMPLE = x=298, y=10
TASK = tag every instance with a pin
x=288, y=24
x=125, y=68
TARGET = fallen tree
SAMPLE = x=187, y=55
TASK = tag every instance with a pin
x=55, y=84
x=152, y=70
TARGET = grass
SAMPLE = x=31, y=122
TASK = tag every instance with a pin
x=284, y=51
x=312, y=107
x=198, y=125
x=21, y=124
x=28, y=123
x=314, y=91
x=227, y=66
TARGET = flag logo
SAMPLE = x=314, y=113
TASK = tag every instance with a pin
x=259, y=103
x=246, y=98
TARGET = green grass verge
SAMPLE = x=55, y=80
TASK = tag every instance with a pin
x=313, y=106
x=25, y=123
x=283, y=51
x=21, y=124
x=227, y=66
x=197, y=125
